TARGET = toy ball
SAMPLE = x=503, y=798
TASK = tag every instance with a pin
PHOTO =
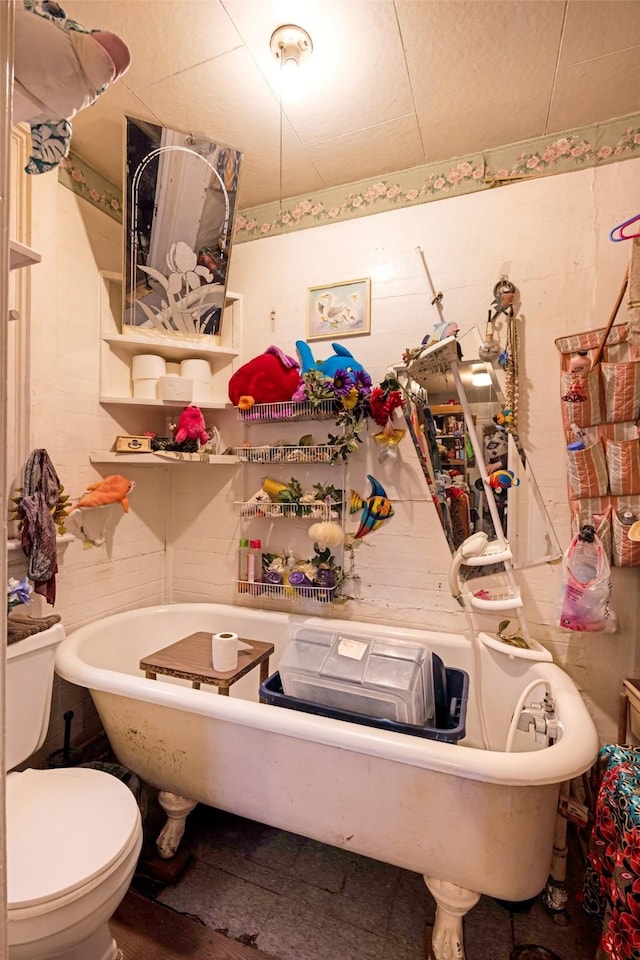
x=503, y=479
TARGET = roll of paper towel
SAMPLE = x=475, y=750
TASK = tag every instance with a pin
x=224, y=651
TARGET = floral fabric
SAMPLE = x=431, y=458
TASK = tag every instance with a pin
x=51, y=138
x=612, y=879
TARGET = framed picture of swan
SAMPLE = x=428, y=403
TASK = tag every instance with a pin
x=339, y=309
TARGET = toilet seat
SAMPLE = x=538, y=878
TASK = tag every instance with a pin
x=65, y=828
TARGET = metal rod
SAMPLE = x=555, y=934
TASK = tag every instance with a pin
x=437, y=295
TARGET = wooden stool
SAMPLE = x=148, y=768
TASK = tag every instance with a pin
x=190, y=659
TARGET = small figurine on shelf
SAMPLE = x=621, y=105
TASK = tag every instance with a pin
x=579, y=366
x=503, y=479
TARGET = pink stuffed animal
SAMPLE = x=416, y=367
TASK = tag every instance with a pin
x=191, y=426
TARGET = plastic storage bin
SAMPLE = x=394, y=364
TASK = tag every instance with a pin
x=389, y=679
x=451, y=691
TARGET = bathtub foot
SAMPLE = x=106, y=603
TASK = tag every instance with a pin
x=177, y=810
x=452, y=902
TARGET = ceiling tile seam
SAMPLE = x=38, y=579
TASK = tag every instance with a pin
x=601, y=56
x=302, y=146
x=142, y=103
x=406, y=65
x=193, y=66
x=247, y=47
x=556, y=67
x=371, y=126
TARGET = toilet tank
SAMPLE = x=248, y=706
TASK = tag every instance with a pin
x=29, y=682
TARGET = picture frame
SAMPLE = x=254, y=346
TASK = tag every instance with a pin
x=338, y=310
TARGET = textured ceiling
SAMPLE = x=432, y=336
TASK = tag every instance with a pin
x=390, y=85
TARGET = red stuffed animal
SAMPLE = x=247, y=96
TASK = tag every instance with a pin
x=272, y=377
x=191, y=426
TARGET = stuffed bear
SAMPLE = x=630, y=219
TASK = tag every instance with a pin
x=191, y=426
x=271, y=377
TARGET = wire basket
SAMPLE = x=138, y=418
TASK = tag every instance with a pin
x=436, y=358
x=289, y=410
x=321, y=453
x=285, y=591
x=318, y=510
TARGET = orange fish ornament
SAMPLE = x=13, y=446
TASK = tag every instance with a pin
x=113, y=489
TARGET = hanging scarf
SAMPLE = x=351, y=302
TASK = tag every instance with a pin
x=40, y=494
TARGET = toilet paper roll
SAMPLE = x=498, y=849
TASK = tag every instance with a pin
x=146, y=366
x=145, y=389
x=175, y=388
x=224, y=651
x=196, y=369
x=202, y=392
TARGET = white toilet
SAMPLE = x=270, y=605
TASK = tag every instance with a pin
x=73, y=834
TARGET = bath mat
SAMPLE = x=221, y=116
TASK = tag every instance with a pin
x=529, y=951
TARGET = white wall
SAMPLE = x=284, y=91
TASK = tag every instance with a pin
x=76, y=241
x=550, y=236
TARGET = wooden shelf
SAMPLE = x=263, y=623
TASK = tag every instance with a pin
x=150, y=459
x=442, y=409
x=21, y=256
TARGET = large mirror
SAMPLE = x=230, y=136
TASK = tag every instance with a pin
x=449, y=458
x=180, y=202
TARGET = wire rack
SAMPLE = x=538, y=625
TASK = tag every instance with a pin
x=278, y=412
x=279, y=591
x=317, y=510
x=435, y=358
x=321, y=453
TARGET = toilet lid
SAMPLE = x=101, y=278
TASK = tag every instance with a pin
x=64, y=827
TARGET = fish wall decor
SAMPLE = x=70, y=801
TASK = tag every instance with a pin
x=375, y=509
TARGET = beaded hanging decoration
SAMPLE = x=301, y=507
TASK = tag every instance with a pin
x=511, y=374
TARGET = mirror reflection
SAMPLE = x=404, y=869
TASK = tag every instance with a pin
x=180, y=201
x=447, y=450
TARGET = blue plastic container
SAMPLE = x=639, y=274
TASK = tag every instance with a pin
x=451, y=692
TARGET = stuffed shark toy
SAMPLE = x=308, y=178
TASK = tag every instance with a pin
x=342, y=359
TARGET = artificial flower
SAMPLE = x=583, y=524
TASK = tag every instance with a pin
x=362, y=381
x=342, y=383
x=351, y=399
x=18, y=592
x=383, y=403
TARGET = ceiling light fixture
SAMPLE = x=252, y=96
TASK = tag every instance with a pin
x=291, y=46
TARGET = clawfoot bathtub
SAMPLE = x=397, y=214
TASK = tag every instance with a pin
x=470, y=817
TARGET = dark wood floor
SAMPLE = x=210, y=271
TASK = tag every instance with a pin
x=145, y=930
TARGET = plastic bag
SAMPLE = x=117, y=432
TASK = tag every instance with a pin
x=584, y=602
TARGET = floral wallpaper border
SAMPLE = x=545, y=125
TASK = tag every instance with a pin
x=78, y=176
x=589, y=146
x=560, y=153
